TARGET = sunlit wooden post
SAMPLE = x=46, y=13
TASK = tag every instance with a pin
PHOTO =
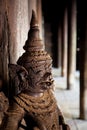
x=65, y=43
x=59, y=64
x=32, y=4
x=83, y=74
x=39, y=15
x=72, y=45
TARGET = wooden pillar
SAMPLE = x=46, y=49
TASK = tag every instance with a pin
x=17, y=13
x=59, y=46
x=71, y=46
x=14, y=27
x=39, y=15
x=65, y=43
x=4, y=42
x=40, y=20
x=83, y=75
x=32, y=4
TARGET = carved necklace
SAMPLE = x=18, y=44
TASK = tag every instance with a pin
x=38, y=105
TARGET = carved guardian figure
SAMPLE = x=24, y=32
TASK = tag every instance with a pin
x=33, y=105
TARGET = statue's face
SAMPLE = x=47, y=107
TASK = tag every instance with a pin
x=46, y=82
x=40, y=78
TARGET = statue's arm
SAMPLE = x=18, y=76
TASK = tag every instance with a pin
x=62, y=123
x=12, y=118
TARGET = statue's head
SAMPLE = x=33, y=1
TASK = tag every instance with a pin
x=36, y=60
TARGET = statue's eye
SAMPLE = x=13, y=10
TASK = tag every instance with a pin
x=48, y=83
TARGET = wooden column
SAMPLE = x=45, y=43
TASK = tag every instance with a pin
x=59, y=45
x=83, y=75
x=72, y=46
x=13, y=29
x=4, y=42
x=39, y=15
x=17, y=13
x=32, y=4
x=65, y=43
x=40, y=20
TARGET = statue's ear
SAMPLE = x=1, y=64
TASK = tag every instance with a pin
x=17, y=70
x=17, y=75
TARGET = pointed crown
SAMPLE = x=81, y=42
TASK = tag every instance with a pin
x=33, y=42
x=33, y=47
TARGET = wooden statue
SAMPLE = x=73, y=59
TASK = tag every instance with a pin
x=33, y=105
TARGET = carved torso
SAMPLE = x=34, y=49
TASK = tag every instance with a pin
x=42, y=109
